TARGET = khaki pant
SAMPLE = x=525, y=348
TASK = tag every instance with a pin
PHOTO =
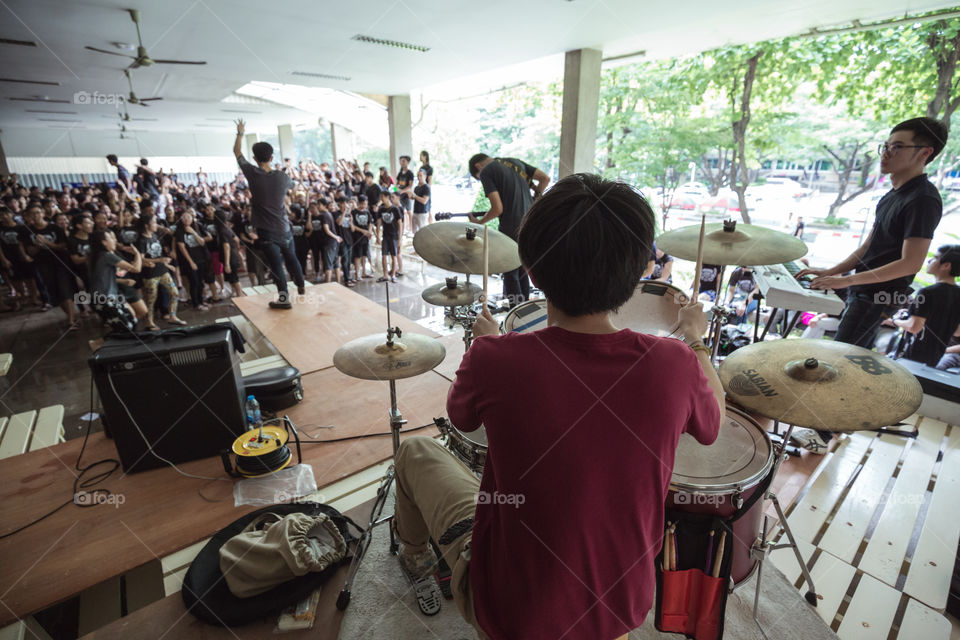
x=434, y=492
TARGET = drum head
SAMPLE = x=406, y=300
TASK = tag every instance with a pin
x=739, y=458
x=526, y=317
x=478, y=437
x=653, y=309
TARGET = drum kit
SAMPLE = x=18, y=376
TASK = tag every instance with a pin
x=818, y=384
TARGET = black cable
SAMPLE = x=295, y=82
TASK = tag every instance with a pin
x=369, y=435
x=90, y=498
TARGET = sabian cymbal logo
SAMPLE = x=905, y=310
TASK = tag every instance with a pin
x=750, y=383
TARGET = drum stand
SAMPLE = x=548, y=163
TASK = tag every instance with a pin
x=762, y=548
x=461, y=316
x=383, y=491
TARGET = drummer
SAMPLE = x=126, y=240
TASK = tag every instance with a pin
x=558, y=538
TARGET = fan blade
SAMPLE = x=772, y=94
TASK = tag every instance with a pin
x=178, y=62
x=112, y=53
x=141, y=103
x=145, y=99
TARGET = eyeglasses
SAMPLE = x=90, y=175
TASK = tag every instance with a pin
x=893, y=148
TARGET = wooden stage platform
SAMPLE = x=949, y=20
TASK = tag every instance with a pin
x=162, y=511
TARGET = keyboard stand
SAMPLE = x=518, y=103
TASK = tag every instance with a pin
x=773, y=314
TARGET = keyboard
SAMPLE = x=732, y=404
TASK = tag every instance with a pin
x=782, y=290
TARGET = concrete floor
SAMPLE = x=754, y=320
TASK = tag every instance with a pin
x=50, y=364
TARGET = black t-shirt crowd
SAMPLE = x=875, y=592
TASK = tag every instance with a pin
x=939, y=304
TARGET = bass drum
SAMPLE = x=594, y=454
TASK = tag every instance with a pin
x=717, y=479
x=526, y=317
x=654, y=309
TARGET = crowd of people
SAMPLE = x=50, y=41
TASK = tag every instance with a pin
x=136, y=249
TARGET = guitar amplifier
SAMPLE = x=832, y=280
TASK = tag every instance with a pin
x=177, y=396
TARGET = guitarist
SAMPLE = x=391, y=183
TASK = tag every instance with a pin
x=511, y=185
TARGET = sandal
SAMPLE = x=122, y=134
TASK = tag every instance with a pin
x=399, y=274
x=351, y=284
x=151, y=327
x=175, y=320
x=382, y=278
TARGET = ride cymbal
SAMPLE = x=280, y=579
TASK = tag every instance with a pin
x=451, y=293
x=732, y=243
x=371, y=358
x=458, y=246
x=820, y=384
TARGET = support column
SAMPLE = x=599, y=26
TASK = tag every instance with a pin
x=251, y=139
x=285, y=134
x=581, y=101
x=4, y=168
x=401, y=130
x=342, y=139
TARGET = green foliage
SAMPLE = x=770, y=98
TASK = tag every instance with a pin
x=315, y=144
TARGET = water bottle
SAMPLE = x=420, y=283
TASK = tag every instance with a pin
x=253, y=413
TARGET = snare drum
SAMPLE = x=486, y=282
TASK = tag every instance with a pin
x=654, y=309
x=468, y=448
x=717, y=479
x=526, y=317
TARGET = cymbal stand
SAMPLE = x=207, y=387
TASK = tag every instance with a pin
x=396, y=423
x=764, y=547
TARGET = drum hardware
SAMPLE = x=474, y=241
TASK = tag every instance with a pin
x=372, y=358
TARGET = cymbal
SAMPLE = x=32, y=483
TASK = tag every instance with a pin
x=458, y=246
x=725, y=243
x=371, y=358
x=451, y=293
x=820, y=384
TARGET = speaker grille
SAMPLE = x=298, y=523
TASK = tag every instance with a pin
x=192, y=356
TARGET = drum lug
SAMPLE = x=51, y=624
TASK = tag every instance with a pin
x=738, y=498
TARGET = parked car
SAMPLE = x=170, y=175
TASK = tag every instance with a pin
x=778, y=188
x=725, y=202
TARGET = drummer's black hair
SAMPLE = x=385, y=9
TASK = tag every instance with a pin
x=586, y=243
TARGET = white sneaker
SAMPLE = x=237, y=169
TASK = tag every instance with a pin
x=809, y=440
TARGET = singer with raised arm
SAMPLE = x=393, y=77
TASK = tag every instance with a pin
x=269, y=216
x=896, y=248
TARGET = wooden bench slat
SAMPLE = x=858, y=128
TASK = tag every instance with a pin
x=181, y=558
x=6, y=359
x=812, y=510
x=871, y=611
x=888, y=544
x=16, y=436
x=849, y=524
x=49, y=426
x=832, y=577
x=922, y=622
x=928, y=579
x=786, y=561
x=261, y=364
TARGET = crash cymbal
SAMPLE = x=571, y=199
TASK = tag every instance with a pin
x=729, y=242
x=458, y=246
x=371, y=358
x=451, y=293
x=820, y=384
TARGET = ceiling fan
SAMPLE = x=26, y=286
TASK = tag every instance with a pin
x=132, y=98
x=142, y=59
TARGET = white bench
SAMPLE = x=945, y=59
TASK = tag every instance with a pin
x=31, y=430
x=6, y=359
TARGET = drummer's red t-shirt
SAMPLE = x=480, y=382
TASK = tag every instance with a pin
x=582, y=431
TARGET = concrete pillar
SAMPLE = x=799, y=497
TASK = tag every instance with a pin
x=285, y=134
x=401, y=130
x=4, y=168
x=342, y=139
x=581, y=100
x=251, y=139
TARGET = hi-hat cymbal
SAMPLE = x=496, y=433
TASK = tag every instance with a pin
x=451, y=293
x=725, y=243
x=820, y=384
x=458, y=246
x=371, y=358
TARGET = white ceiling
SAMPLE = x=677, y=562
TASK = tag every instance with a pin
x=248, y=40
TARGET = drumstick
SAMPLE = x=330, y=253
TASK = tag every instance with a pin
x=486, y=267
x=667, y=552
x=718, y=558
x=696, y=275
x=676, y=550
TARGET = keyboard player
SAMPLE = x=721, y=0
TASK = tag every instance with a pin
x=896, y=248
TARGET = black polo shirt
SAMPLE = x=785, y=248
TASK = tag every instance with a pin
x=912, y=211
